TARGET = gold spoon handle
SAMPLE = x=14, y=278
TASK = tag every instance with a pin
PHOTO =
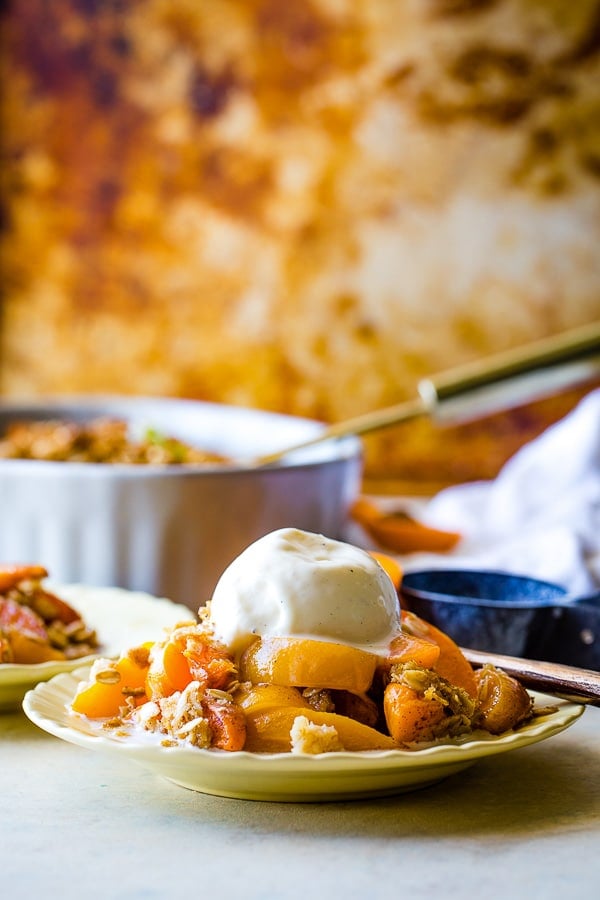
x=566, y=682
x=516, y=376
x=499, y=382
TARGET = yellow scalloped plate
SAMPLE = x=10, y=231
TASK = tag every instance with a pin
x=121, y=619
x=284, y=776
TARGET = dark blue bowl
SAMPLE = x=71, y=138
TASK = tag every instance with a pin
x=505, y=613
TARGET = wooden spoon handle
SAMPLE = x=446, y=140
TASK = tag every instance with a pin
x=566, y=682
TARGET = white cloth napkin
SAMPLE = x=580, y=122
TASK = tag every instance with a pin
x=540, y=516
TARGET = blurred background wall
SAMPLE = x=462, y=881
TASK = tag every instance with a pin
x=303, y=206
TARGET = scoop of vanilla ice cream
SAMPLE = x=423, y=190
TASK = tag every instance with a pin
x=295, y=583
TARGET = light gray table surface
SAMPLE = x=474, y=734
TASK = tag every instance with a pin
x=79, y=824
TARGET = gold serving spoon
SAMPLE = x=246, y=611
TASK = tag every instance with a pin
x=478, y=389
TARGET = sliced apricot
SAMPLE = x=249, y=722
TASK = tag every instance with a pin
x=108, y=692
x=227, y=723
x=503, y=701
x=407, y=647
x=308, y=663
x=210, y=662
x=28, y=649
x=410, y=717
x=269, y=732
x=262, y=697
x=189, y=655
x=451, y=663
x=169, y=670
x=51, y=607
x=24, y=635
x=11, y=576
x=17, y=617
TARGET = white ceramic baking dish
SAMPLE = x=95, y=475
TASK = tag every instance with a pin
x=171, y=530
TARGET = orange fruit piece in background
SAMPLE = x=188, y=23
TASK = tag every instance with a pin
x=24, y=637
x=399, y=532
x=390, y=565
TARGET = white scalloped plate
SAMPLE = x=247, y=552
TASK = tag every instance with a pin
x=284, y=776
x=121, y=619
